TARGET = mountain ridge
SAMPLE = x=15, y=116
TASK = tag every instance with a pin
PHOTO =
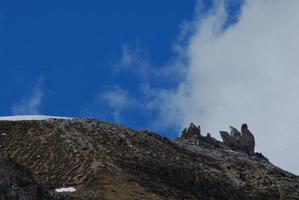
x=108, y=161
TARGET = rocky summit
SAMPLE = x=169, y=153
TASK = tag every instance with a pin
x=105, y=161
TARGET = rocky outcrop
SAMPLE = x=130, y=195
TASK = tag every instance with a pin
x=248, y=139
x=192, y=131
x=243, y=141
x=105, y=161
x=16, y=183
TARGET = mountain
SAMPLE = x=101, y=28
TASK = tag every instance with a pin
x=105, y=161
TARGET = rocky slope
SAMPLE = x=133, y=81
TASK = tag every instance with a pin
x=107, y=162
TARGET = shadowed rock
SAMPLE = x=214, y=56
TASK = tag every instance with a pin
x=243, y=141
x=248, y=139
x=17, y=183
x=192, y=131
x=234, y=132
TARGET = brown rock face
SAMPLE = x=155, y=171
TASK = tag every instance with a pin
x=105, y=161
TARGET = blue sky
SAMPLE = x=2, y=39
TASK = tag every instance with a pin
x=157, y=65
x=69, y=57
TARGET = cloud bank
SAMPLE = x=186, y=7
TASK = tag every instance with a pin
x=247, y=72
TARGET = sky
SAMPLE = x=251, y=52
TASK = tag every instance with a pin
x=158, y=65
x=58, y=58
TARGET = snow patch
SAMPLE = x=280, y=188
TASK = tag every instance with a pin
x=30, y=117
x=68, y=189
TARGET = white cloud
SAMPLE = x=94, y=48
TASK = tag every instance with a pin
x=131, y=56
x=29, y=105
x=247, y=73
x=117, y=99
x=134, y=59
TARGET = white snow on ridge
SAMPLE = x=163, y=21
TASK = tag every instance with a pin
x=30, y=117
x=68, y=189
